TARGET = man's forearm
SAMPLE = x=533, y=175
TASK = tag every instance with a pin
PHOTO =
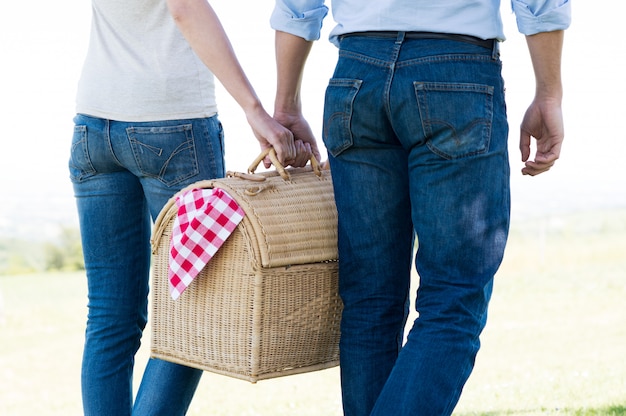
x=545, y=51
x=291, y=55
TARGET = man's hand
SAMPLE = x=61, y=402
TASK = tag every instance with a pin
x=544, y=122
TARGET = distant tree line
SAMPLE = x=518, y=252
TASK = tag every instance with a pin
x=18, y=256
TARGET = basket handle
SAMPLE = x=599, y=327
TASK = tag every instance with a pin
x=315, y=165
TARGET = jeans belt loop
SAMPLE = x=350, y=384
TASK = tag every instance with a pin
x=495, y=53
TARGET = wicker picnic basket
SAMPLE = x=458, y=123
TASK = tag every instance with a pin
x=267, y=303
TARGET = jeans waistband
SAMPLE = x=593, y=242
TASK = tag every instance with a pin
x=490, y=44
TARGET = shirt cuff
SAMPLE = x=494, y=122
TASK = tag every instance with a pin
x=307, y=25
x=546, y=19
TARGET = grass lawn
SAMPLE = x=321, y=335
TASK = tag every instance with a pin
x=555, y=342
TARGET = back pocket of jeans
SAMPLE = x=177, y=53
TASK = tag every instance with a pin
x=456, y=117
x=80, y=163
x=338, y=107
x=167, y=153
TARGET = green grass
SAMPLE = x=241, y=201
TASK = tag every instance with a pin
x=555, y=343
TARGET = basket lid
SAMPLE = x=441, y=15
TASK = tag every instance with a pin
x=289, y=222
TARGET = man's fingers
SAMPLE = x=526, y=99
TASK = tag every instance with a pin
x=524, y=145
x=534, y=169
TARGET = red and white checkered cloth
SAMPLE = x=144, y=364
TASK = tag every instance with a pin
x=206, y=218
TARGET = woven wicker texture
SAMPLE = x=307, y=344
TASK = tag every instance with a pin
x=266, y=305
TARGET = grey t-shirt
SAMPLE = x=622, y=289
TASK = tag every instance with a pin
x=139, y=67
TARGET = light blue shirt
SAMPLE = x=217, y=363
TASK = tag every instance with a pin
x=480, y=18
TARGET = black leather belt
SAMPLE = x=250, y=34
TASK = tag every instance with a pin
x=485, y=43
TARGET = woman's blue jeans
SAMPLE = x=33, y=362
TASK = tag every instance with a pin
x=416, y=132
x=123, y=173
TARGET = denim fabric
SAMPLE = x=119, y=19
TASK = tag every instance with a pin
x=123, y=173
x=416, y=132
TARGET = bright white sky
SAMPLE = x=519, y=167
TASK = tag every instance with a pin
x=42, y=44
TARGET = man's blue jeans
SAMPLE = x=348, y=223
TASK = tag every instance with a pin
x=416, y=132
x=123, y=174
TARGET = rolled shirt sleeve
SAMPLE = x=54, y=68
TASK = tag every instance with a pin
x=536, y=16
x=300, y=18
